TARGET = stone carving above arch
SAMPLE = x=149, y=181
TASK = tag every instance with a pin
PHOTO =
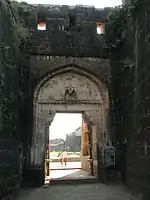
x=69, y=87
x=70, y=94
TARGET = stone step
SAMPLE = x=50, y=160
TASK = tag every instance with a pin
x=73, y=181
x=67, y=168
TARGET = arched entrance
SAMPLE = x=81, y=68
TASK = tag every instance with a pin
x=69, y=89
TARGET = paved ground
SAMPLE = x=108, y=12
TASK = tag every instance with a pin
x=73, y=165
x=93, y=191
x=70, y=174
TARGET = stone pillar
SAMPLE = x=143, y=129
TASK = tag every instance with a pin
x=90, y=146
x=47, y=156
x=40, y=141
x=50, y=119
x=92, y=120
x=36, y=172
x=85, y=164
x=94, y=150
x=85, y=140
x=43, y=119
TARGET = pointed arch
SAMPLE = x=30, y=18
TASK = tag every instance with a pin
x=77, y=70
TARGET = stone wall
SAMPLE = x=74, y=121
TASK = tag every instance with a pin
x=43, y=65
x=85, y=154
x=78, y=46
x=11, y=97
x=64, y=43
x=69, y=31
x=130, y=72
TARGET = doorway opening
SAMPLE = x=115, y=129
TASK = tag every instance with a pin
x=69, y=148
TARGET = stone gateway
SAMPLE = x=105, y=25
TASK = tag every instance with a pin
x=69, y=89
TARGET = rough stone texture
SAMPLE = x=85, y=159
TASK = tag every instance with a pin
x=42, y=65
x=64, y=46
x=60, y=88
x=86, y=163
x=72, y=192
x=12, y=99
x=62, y=37
x=130, y=72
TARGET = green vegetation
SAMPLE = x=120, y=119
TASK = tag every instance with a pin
x=118, y=19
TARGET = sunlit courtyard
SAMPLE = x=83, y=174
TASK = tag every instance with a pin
x=65, y=134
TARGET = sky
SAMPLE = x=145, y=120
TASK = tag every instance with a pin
x=63, y=124
x=96, y=3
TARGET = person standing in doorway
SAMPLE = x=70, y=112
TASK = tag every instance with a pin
x=64, y=157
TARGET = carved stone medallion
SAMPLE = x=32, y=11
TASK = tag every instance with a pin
x=68, y=87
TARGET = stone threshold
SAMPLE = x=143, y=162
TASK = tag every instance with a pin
x=72, y=181
x=65, y=168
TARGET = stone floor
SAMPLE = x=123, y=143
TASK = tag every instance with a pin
x=71, y=171
x=95, y=191
x=70, y=165
x=69, y=174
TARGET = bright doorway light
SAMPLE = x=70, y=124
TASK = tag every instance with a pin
x=100, y=28
x=41, y=26
x=65, y=135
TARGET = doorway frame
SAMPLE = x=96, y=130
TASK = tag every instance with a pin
x=89, y=142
